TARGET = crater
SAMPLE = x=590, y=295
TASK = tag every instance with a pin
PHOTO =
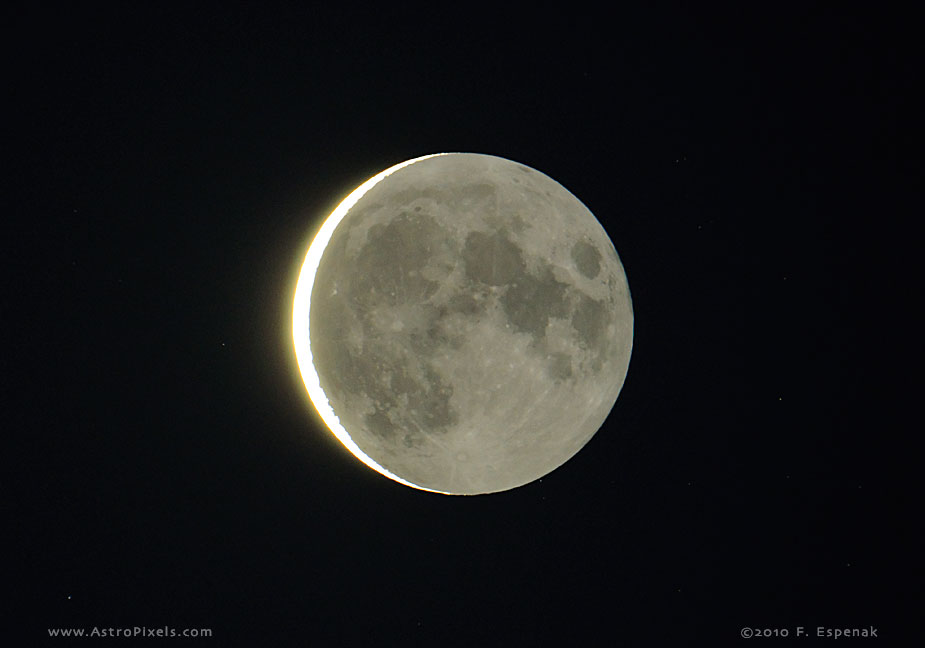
x=587, y=258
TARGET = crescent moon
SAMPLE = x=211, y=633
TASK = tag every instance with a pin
x=301, y=322
x=462, y=323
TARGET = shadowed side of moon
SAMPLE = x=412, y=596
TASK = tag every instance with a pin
x=471, y=324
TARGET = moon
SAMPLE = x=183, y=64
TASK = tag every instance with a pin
x=463, y=323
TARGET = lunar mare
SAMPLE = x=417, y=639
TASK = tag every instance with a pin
x=464, y=324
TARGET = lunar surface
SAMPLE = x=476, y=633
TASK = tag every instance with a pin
x=463, y=323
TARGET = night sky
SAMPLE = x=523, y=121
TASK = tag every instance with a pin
x=166, y=170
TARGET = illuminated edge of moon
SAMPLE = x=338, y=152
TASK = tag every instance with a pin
x=301, y=333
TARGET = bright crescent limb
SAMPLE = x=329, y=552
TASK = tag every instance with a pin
x=301, y=321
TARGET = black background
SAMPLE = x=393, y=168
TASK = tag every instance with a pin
x=167, y=169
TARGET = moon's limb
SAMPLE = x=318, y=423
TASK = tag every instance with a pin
x=470, y=324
